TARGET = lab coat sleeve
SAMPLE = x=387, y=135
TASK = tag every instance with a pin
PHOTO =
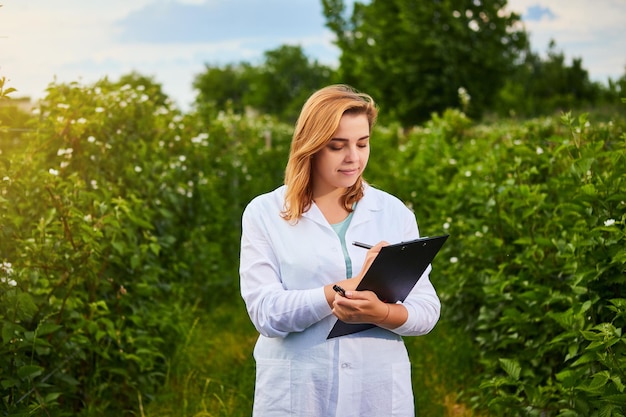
x=422, y=303
x=274, y=311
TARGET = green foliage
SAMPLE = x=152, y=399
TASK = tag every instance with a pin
x=5, y=91
x=544, y=86
x=277, y=87
x=118, y=214
x=415, y=56
x=212, y=371
x=535, y=268
x=219, y=88
x=119, y=231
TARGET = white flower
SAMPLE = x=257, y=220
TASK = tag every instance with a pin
x=609, y=222
x=91, y=139
x=94, y=184
x=67, y=151
x=87, y=218
x=6, y=179
x=446, y=226
x=539, y=150
x=63, y=106
x=53, y=171
x=82, y=120
x=138, y=168
x=99, y=109
x=454, y=260
x=11, y=282
x=8, y=267
x=452, y=161
x=468, y=173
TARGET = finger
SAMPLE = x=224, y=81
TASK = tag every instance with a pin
x=355, y=295
x=380, y=244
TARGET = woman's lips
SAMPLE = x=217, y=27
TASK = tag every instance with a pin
x=352, y=171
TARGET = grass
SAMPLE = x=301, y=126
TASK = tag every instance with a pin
x=443, y=369
x=213, y=372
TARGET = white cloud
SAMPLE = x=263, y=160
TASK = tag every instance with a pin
x=591, y=30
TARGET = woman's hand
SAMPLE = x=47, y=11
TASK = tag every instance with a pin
x=360, y=307
x=369, y=259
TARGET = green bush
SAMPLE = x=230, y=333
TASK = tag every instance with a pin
x=535, y=267
x=118, y=215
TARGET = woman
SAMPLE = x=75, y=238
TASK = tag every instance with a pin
x=296, y=245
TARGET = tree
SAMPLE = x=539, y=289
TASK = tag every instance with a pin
x=224, y=87
x=279, y=86
x=285, y=81
x=147, y=84
x=541, y=86
x=414, y=56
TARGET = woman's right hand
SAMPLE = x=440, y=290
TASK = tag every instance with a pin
x=369, y=259
x=351, y=283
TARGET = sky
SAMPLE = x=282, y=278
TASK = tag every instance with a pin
x=45, y=41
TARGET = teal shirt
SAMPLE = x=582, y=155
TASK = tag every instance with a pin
x=340, y=228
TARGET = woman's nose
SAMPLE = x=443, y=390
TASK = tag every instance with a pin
x=352, y=154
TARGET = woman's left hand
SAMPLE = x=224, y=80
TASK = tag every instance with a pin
x=360, y=307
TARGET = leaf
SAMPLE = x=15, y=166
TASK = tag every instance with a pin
x=47, y=328
x=511, y=367
x=9, y=382
x=29, y=371
x=586, y=358
x=9, y=331
x=119, y=246
x=597, y=383
x=26, y=307
x=617, y=399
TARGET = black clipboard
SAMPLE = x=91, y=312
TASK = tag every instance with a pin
x=393, y=274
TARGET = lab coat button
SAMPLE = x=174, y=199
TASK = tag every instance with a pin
x=345, y=365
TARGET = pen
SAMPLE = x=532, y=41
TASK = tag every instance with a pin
x=339, y=290
x=362, y=245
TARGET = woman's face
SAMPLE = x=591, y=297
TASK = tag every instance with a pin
x=340, y=163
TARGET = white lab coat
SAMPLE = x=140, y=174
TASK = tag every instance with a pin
x=283, y=270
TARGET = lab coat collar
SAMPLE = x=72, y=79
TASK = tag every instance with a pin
x=363, y=212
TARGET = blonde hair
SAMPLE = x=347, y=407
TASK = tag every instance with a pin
x=318, y=121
